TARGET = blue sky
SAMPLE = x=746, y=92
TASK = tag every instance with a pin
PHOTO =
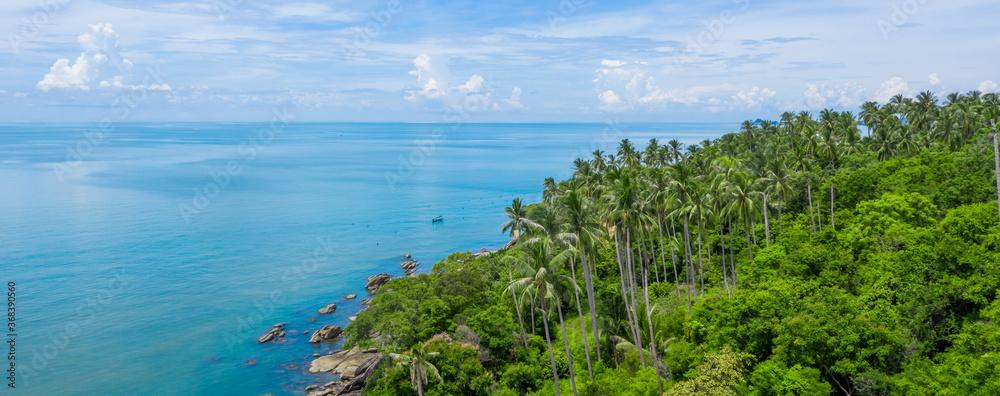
x=510, y=61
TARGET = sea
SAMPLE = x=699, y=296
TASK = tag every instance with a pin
x=148, y=257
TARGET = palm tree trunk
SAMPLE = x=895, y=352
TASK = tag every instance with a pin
x=652, y=337
x=517, y=307
x=591, y=302
x=632, y=283
x=548, y=340
x=832, y=225
x=622, y=269
x=687, y=259
x=663, y=259
x=725, y=276
x=810, y=195
x=732, y=255
x=753, y=231
x=749, y=247
x=569, y=357
x=583, y=327
x=701, y=264
x=420, y=387
x=652, y=256
x=767, y=224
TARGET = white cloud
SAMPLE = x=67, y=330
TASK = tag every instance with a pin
x=754, y=98
x=935, y=80
x=987, y=86
x=100, y=65
x=890, y=88
x=609, y=98
x=312, y=10
x=476, y=95
x=613, y=63
x=514, y=102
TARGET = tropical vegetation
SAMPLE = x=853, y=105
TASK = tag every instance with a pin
x=835, y=253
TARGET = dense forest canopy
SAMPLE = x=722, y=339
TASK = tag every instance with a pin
x=829, y=253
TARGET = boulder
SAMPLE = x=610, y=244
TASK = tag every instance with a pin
x=328, y=309
x=275, y=332
x=350, y=296
x=352, y=318
x=376, y=282
x=360, y=377
x=344, y=362
x=406, y=256
x=325, y=333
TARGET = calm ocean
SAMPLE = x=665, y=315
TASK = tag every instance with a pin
x=149, y=257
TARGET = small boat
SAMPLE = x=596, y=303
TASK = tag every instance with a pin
x=437, y=219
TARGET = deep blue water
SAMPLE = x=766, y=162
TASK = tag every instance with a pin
x=148, y=257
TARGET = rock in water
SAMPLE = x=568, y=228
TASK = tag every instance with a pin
x=376, y=282
x=328, y=309
x=344, y=362
x=350, y=296
x=276, y=331
x=325, y=333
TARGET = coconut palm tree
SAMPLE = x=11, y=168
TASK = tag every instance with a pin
x=518, y=224
x=538, y=265
x=419, y=366
x=581, y=223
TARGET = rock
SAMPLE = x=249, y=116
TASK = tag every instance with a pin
x=310, y=319
x=292, y=366
x=328, y=309
x=249, y=363
x=270, y=335
x=376, y=282
x=311, y=388
x=325, y=333
x=305, y=332
x=366, y=301
x=406, y=256
x=352, y=318
x=280, y=341
x=350, y=296
x=280, y=325
x=344, y=362
x=331, y=384
x=281, y=334
x=316, y=355
x=360, y=377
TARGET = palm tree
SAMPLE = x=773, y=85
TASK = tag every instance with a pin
x=549, y=189
x=580, y=222
x=419, y=365
x=743, y=204
x=538, y=265
x=519, y=223
x=652, y=153
x=778, y=182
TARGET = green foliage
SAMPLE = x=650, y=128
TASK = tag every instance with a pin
x=496, y=326
x=774, y=378
x=722, y=374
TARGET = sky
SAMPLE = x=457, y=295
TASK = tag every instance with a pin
x=506, y=61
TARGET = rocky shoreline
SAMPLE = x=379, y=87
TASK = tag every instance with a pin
x=353, y=366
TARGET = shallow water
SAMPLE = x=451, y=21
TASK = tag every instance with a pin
x=149, y=257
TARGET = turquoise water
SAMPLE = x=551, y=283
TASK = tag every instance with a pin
x=149, y=257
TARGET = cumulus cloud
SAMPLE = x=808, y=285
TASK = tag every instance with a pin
x=475, y=95
x=754, y=98
x=514, y=101
x=935, y=80
x=629, y=88
x=99, y=66
x=890, y=88
x=987, y=86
